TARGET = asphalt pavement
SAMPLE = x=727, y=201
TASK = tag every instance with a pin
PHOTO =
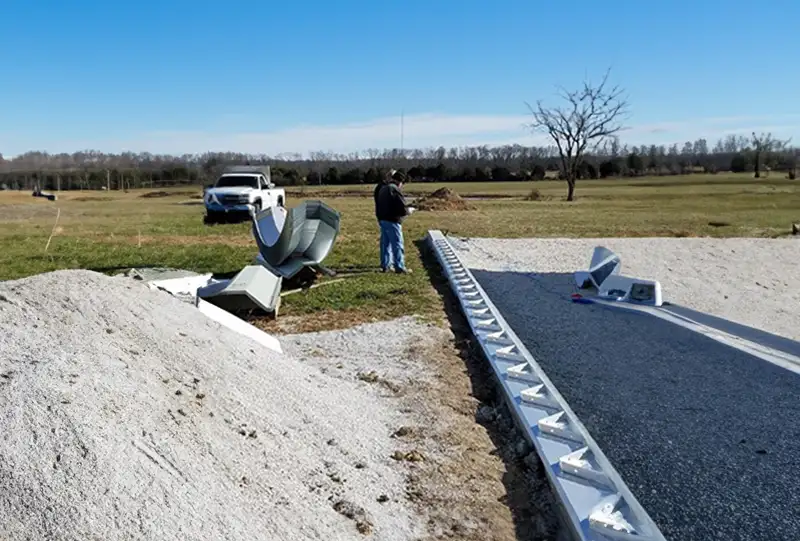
x=706, y=436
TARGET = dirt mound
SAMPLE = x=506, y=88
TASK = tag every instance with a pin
x=88, y=199
x=443, y=199
x=151, y=195
x=191, y=193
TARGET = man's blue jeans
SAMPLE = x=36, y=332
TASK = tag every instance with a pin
x=392, y=250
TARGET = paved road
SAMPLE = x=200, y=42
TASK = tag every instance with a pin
x=706, y=436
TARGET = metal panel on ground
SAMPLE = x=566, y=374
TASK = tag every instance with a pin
x=276, y=232
x=597, y=503
x=253, y=288
x=302, y=237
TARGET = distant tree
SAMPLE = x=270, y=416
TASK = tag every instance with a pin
x=467, y=174
x=314, y=178
x=482, y=174
x=590, y=115
x=652, y=158
x=501, y=174
x=609, y=168
x=739, y=163
x=352, y=176
x=416, y=173
x=635, y=164
x=588, y=170
x=764, y=144
x=209, y=166
x=292, y=177
x=437, y=173
x=372, y=176
x=332, y=176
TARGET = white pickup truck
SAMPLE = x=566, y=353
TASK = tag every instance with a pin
x=238, y=191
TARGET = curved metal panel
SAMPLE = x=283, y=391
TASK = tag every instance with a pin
x=300, y=237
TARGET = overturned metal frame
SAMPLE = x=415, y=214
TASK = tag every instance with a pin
x=596, y=502
x=304, y=238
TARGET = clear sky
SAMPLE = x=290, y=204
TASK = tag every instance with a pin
x=175, y=76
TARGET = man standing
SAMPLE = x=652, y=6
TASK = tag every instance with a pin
x=391, y=210
x=384, y=243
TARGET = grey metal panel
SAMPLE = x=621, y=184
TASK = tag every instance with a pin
x=328, y=222
x=254, y=287
x=604, y=263
x=597, y=502
x=288, y=269
x=307, y=237
x=282, y=247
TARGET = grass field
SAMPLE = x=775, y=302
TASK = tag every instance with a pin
x=111, y=231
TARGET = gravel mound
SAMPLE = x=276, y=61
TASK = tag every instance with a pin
x=748, y=281
x=127, y=414
x=442, y=199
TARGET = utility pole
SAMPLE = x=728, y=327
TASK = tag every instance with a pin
x=402, y=130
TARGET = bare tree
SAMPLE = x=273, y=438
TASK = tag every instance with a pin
x=590, y=115
x=764, y=144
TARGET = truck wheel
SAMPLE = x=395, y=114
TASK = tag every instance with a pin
x=210, y=219
x=257, y=205
x=280, y=201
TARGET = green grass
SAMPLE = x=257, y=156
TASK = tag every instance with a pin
x=107, y=232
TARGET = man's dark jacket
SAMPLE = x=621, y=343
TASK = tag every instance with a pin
x=380, y=185
x=391, y=204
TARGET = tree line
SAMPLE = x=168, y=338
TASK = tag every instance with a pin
x=94, y=170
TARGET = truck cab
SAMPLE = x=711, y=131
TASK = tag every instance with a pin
x=240, y=190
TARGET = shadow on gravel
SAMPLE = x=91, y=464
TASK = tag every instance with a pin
x=528, y=493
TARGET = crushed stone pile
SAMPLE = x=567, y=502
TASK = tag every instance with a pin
x=127, y=414
x=442, y=199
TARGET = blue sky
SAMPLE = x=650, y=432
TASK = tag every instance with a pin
x=175, y=76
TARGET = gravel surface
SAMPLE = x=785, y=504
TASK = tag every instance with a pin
x=470, y=476
x=127, y=414
x=715, y=455
x=749, y=281
x=371, y=353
